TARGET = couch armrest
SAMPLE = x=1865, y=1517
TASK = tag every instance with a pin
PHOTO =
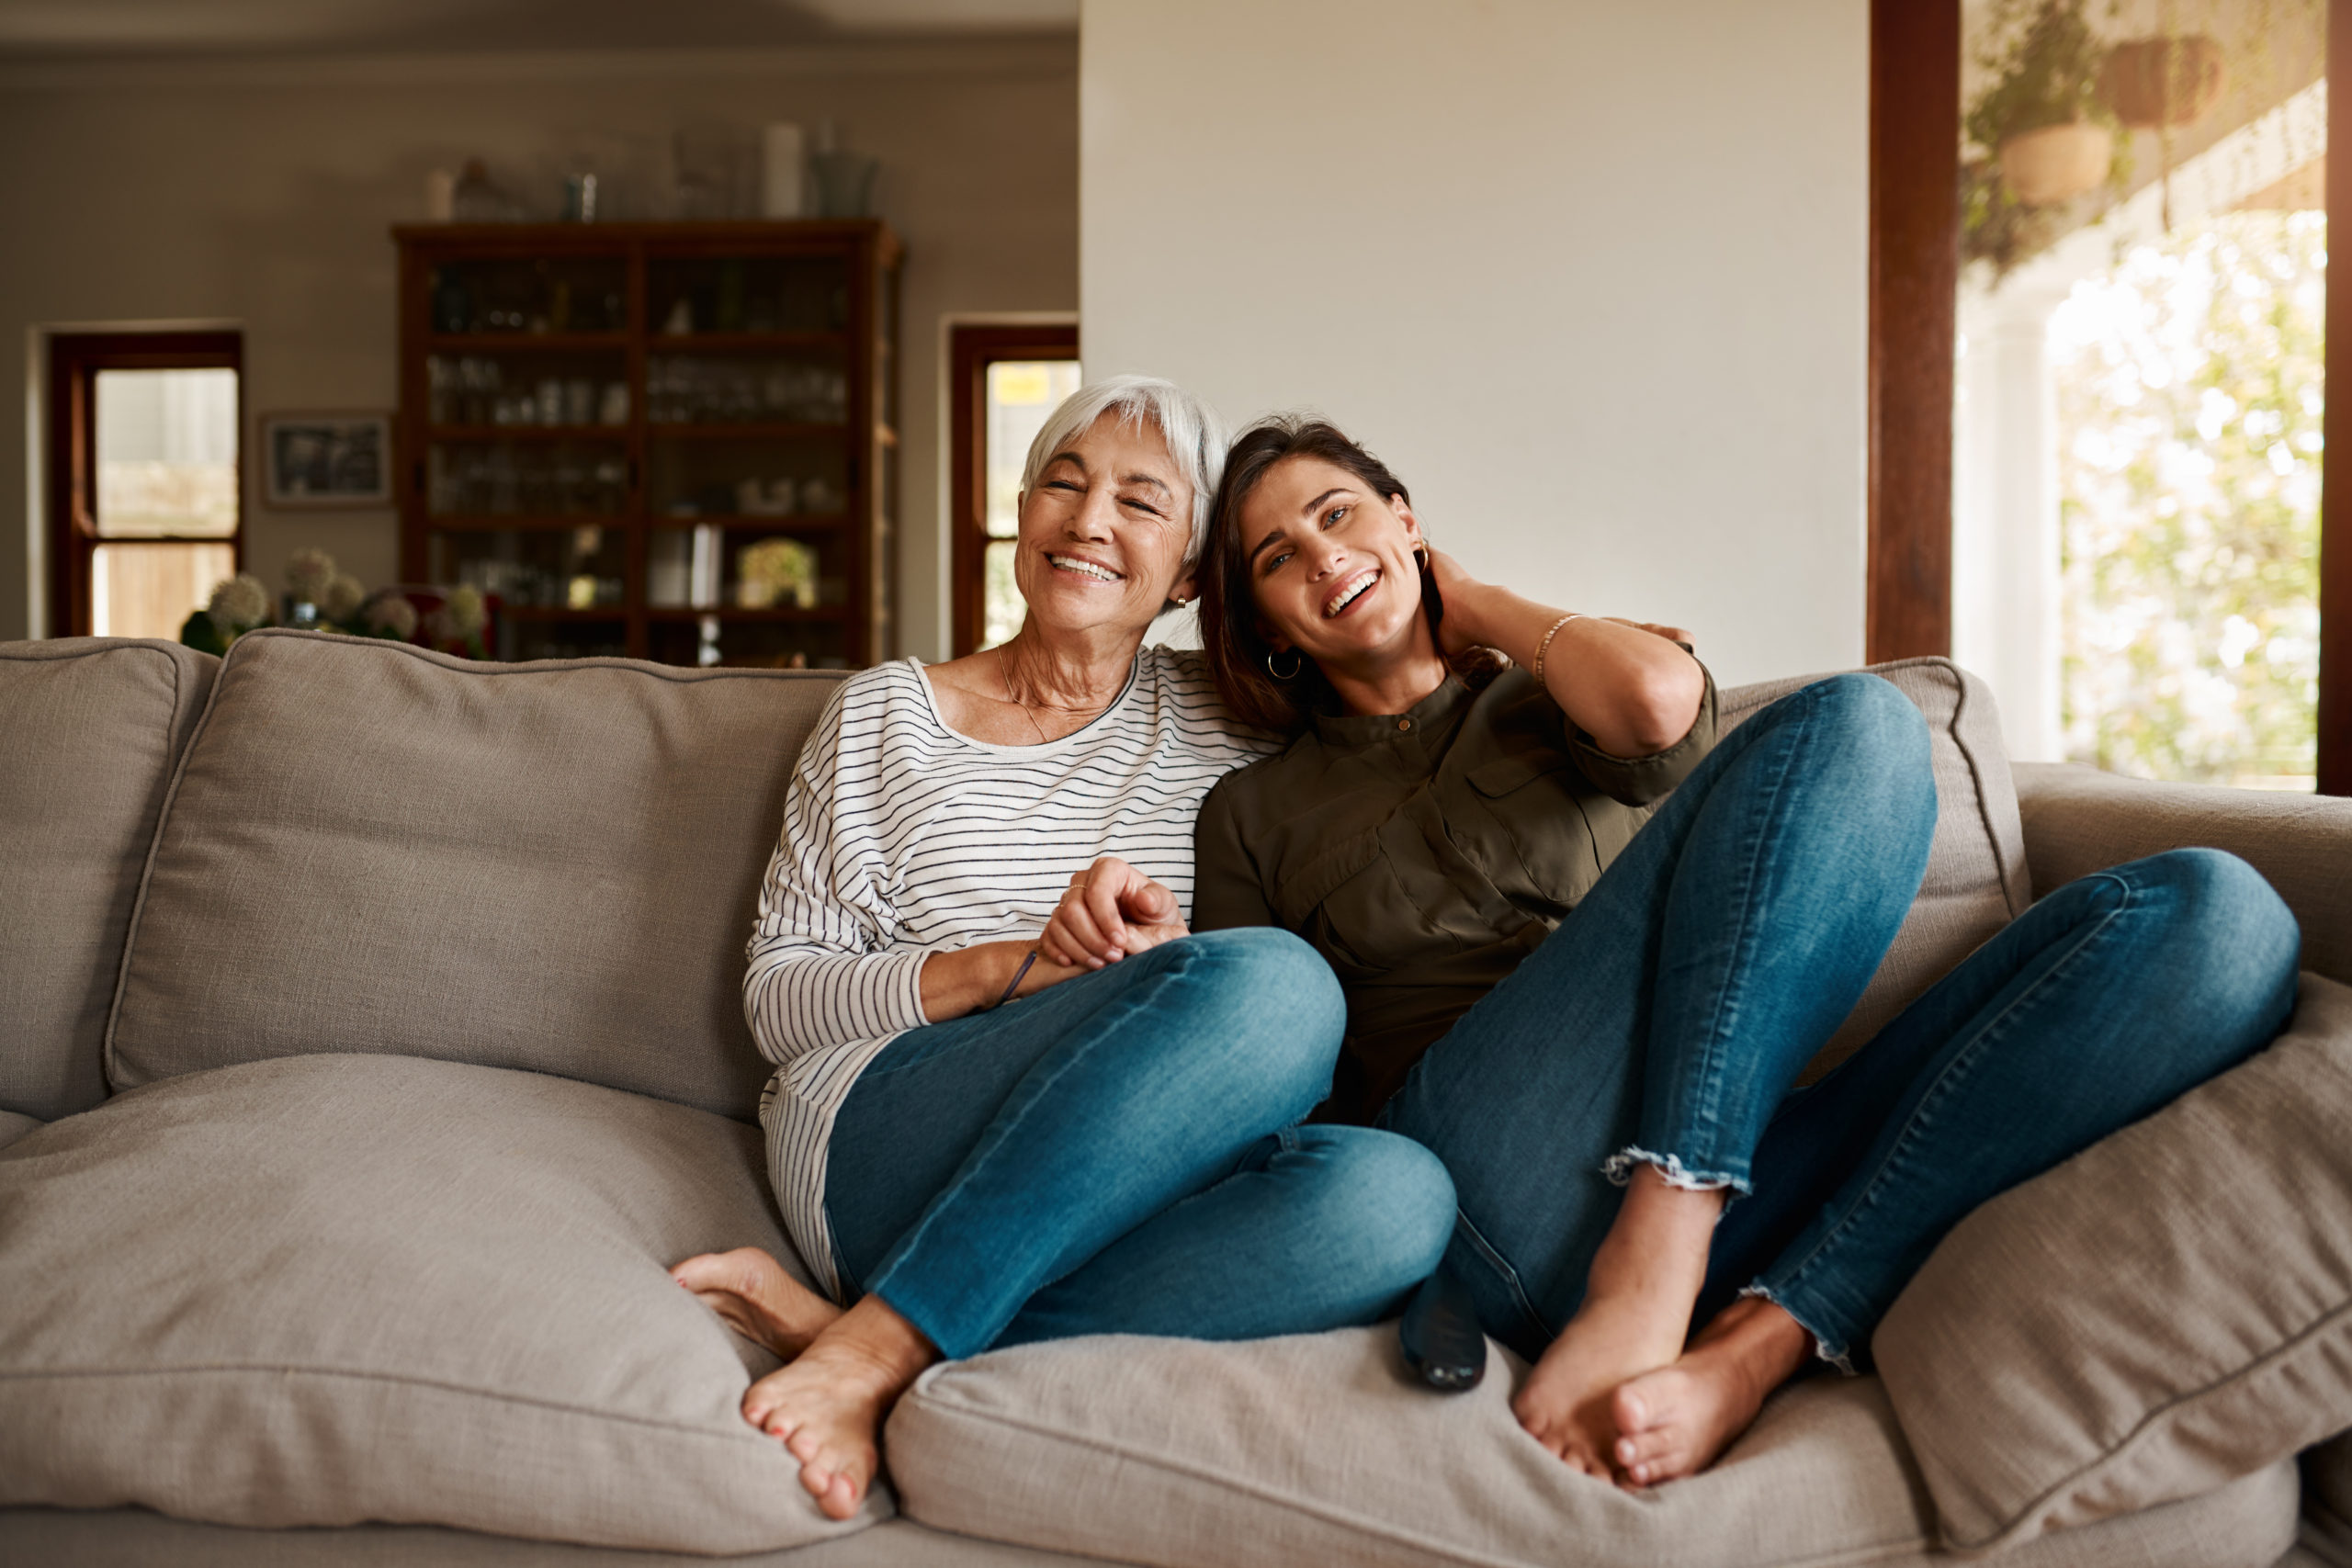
x=2078, y=819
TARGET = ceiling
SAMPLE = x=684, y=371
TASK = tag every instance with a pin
x=84, y=29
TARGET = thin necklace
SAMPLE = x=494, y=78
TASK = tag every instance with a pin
x=1004, y=678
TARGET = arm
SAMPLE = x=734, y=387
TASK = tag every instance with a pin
x=822, y=967
x=1635, y=691
x=1228, y=890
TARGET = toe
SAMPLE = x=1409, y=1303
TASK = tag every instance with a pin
x=1646, y=1448
x=839, y=1500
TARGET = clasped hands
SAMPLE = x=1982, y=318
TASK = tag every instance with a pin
x=1110, y=910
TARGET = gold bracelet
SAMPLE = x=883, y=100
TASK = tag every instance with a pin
x=1545, y=645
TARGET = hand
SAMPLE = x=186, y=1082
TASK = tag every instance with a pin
x=1671, y=634
x=1109, y=910
x=1455, y=588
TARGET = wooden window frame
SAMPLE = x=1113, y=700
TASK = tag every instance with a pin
x=1913, y=309
x=74, y=361
x=972, y=347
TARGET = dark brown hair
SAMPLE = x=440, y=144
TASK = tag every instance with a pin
x=1230, y=631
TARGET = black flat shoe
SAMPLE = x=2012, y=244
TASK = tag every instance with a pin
x=1441, y=1336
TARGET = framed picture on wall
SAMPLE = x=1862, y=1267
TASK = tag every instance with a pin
x=327, y=459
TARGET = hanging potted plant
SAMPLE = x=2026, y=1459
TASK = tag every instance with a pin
x=2164, y=84
x=2049, y=131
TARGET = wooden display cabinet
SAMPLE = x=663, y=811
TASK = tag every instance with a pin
x=672, y=441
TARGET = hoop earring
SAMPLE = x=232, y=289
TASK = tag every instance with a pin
x=1298, y=663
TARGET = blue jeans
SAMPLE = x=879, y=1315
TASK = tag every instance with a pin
x=1120, y=1153
x=1668, y=1016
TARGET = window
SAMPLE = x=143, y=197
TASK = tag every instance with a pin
x=1005, y=380
x=146, y=515
x=2113, y=510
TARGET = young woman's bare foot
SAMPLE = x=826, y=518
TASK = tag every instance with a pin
x=1673, y=1422
x=827, y=1404
x=757, y=1298
x=1635, y=1316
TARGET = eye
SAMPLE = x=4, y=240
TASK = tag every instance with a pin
x=1061, y=484
x=1141, y=505
x=1332, y=518
x=1273, y=562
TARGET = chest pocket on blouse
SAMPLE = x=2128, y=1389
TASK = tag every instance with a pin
x=1348, y=903
x=1538, y=841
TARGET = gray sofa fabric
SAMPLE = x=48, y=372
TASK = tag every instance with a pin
x=133, y=1537
x=428, y=1016
x=93, y=729
x=2071, y=1353
x=1321, y=1449
x=342, y=1288
x=547, y=866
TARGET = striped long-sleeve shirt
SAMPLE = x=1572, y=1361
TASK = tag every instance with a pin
x=904, y=837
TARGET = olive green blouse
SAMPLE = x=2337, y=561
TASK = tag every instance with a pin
x=1425, y=853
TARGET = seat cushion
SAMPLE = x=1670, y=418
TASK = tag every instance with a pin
x=1976, y=880
x=552, y=866
x=94, y=726
x=2168, y=1310
x=323, y=1290
x=1318, y=1449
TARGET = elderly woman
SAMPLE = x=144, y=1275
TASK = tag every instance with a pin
x=979, y=1143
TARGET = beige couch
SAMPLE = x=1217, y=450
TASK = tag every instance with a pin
x=371, y=1046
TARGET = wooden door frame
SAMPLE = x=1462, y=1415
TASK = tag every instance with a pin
x=74, y=360
x=1913, y=309
x=1914, y=323
x=2335, y=434
x=972, y=347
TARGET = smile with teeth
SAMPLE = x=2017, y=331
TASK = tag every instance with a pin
x=1085, y=567
x=1351, y=593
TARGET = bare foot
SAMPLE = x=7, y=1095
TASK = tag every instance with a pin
x=827, y=1404
x=1673, y=1422
x=1635, y=1316
x=757, y=1298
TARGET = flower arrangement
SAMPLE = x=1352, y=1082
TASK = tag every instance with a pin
x=321, y=598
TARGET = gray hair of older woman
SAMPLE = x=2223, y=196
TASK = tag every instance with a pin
x=1196, y=438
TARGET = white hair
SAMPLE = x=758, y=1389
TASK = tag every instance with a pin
x=1196, y=438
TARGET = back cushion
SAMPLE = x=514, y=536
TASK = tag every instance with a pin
x=1976, y=880
x=548, y=866
x=92, y=728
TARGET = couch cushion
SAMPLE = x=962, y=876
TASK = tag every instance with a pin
x=552, y=866
x=2169, y=1309
x=322, y=1290
x=132, y=1538
x=93, y=727
x=1317, y=1449
x=1976, y=881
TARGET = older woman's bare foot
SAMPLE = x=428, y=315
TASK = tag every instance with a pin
x=827, y=1404
x=1635, y=1316
x=758, y=1300
x=1674, y=1421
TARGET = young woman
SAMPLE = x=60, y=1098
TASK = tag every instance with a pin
x=1566, y=988
x=975, y=1146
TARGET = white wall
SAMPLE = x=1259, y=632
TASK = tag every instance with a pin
x=259, y=194
x=1590, y=275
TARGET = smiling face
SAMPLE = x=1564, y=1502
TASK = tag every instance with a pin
x=1331, y=565
x=1103, y=533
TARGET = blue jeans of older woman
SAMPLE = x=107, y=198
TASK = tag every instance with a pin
x=1667, y=1017
x=1120, y=1153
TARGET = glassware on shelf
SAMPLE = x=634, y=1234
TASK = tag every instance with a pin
x=495, y=480
x=686, y=390
x=564, y=294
